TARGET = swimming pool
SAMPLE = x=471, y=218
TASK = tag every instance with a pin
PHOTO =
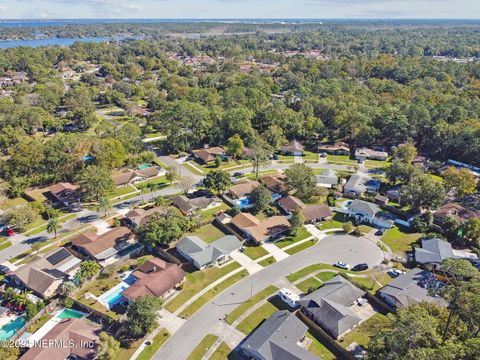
x=144, y=166
x=70, y=314
x=244, y=203
x=7, y=331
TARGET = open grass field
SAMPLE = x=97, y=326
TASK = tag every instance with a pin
x=335, y=223
x=289, y=240
x=363, y=333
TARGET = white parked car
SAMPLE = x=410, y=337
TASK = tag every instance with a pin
x=289, y=297
x=342, y=265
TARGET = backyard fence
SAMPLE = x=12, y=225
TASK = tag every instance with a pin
x=324, y=338
x=47, y=309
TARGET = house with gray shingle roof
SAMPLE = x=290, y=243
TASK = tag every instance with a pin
x=433, y=251
x=203, y=255
x=327, y=179
x=411, y=288
x=331, y=306
x=363, y=211
x=357, y=185
x=277, y=338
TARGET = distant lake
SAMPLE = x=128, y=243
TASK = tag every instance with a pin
x=6, y=44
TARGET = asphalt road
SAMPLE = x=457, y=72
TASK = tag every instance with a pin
x=345, y=248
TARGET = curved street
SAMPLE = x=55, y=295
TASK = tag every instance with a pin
x=350, y=249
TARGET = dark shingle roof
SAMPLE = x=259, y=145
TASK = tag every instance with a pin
x=433, y=251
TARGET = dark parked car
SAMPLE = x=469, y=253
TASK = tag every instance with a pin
x=360, y=267
x=237, y=174
x=4, y=270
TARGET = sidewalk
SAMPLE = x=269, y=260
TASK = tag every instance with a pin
x=275, y=251
x=249, y=264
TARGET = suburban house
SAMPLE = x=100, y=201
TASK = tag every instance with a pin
x=363, y=211
x=455, y=210
x=65, y=193
x=137, y=176
x=433, y=251
x=412, y=288
x=277, y=338
x=421, y=162
x=107, y=247
x=259, y=231
x=381, y=200
x=137, y=217
x=242, y=188
x=312, y=213
x=363, y=154
x=334, y=306
x=275, y=183
x=155, y=278
x=208, y=154
x=46, y=272
x=79, y=338
x=357, y=185
x=327, y=179
x=14, y=78
x=189, y=206
x=339, y=148
x=203, y=255
x=294, y=148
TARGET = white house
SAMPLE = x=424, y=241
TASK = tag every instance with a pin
x=369, y=213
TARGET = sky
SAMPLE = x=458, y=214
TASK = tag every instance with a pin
x=224, y=9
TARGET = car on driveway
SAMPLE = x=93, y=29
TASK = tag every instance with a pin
x=394, y=272
x=360, y=267
x=342, y=265
x=7, y=231
x=237, y=174
x=4, y=270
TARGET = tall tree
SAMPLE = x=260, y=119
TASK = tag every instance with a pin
x=303, y=180
x=461, y=181
x=142, y=316
x=96, y=182
x=217, y=181
x=108, y=348
x=53, y=225
x=235, y=146
x=261, y=199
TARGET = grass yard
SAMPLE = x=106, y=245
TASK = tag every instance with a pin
x=256, y=317
x=160, y=181
x=268, y=261
x=211, y=213
x=317, y=348
x=221, y=353
x=289, y=240
x=209, y=295
x=367, y=283
x=335, y=223
x=225, y=165
x=325, y=276
x=241, y=309
x=363, y=333
x=309, y=156
x=254, y=252
x=39, y=323
x=376, y=164
x=301, y=247
x=400, y=239
x=201, y=349
x=315, y=267
x=194, y=169
x=122, y=190
x=340, y=159
x=365, y=229
x=157, y=343
x=10, y=203
x=208, y=233
x=309, y=284
x=126, y=353
x=4, y=243
x=196, y=281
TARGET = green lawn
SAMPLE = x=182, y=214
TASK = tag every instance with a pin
x=340, y=159
x=209, y=295
x=208, y=233
x=336, y=222
x=268, y=261
x=198, y=280
x=122, y=190
x=157, y=343
x=5, y=244
x=365, y=229
x=39, y=323
x=301, y=247
x=315, y=267
x=256, y=317
x=367, y=283
x=221, y=353
x=309, y=156
x=126, y=353
x=241, y=309
x=193, y=169
x=225, y=165
x=400, y=239
x=211, y=213
x=160, y=181
x=254, y=252
x=310, y=283
x=9, y=203
x=201, y=349
x=362, y=334
x=289, y=240
x=376, y=164
x=325, y=276
x=317, y=348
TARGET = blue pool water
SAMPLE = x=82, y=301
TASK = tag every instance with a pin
x=144, y=166
x=70, y=314
x=7, y=331
x=115, y=297
x=244, y=203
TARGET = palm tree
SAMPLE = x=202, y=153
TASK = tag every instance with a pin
x=53, y=226
x=104, y=206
